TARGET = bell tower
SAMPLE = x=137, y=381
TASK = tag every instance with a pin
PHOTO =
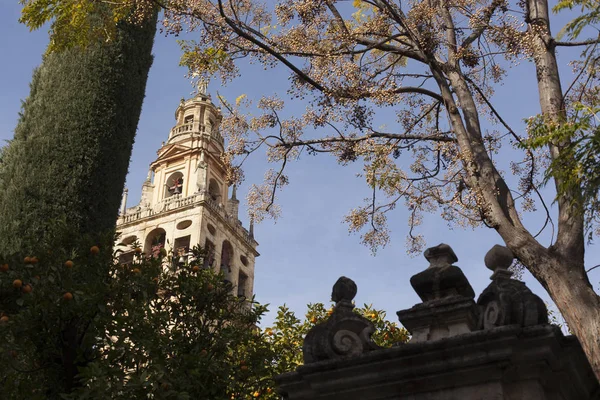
x=185, y=201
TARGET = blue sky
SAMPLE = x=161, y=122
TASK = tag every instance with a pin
x=309, y=247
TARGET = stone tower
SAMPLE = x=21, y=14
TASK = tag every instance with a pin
x=185, y=201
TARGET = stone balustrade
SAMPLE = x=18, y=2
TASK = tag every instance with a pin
x=178, y=201
x=195, y=128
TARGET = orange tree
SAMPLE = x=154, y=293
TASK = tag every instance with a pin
x=171, y=332
x=285, y=337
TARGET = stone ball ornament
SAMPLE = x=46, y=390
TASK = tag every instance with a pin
x=499, y=257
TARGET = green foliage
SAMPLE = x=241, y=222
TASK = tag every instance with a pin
x=142, y=330
x=147, y=329
x=590, y=15
x=286, y=336
x=66, y=166
x=578, y=165
x=76, y=23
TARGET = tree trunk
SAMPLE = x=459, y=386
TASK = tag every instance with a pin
x=560, y=269
x=569, y=287
x=580, y=306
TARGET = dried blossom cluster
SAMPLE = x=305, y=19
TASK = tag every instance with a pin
x=434, y=63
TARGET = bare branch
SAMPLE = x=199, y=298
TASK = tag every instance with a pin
x=374, y=135
x=582, y=43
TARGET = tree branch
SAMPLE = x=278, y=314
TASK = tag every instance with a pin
x=374, y=135
x=574, y=44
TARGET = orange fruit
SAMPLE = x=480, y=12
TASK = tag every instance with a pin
x=68, y=296
x=256, y=394
x=269, y=390
x=203, y=353
x=69, y=264
x=4, y=318
x=136, y=271
x=33, y=260
x=4, y=267
x=138, y=250
x=270, y=332
x=195, y=268
x=313, y=320
x=17, y=283
x=94, y=250
x=27, y=289
x=37, y=277
x=244, y=368
x=209, y=287
x=155, y=280
x=27, y=260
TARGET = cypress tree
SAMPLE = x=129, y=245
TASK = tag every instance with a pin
x=63, y=174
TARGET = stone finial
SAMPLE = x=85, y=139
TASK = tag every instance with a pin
x=344, y=334
x=343, y=291
x=441, y=279
x=508, y=301
x=441, y=255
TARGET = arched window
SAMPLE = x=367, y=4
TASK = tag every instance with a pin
x=226, y=259
x=174, y=184
x=214, y=190
x=126, y=257
x=209, y=258
x=155, y=242
x=129, y=240
x=242, y=283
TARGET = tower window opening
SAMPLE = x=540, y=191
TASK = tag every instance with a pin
x=126, y=257
x=214, y=190
x=188, y=119
x=155, y=242
x=241, y=286
x=209, y=259
x=181, y=245
x=174, y=184
x=226, y=257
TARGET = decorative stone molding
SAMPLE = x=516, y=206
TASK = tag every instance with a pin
x=449, y=357
x=448, y=308
x=345, y=334
x=508, y=301
x=441, y=279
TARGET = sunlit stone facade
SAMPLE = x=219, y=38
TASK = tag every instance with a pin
x=185, y=200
